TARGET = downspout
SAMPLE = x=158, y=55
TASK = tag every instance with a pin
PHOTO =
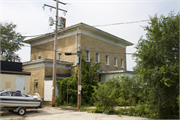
x=76, y=47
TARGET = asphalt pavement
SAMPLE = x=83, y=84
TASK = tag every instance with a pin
x=50, y=113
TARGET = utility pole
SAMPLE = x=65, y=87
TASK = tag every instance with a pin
x=55, y=49
x=54, y=60
x=79, y=81
x=79, y=77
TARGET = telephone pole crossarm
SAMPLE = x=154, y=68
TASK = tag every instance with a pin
x=54, y=7
x=61, y=2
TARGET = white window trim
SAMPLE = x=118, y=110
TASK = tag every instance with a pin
x=122, y=63
x=116, y=62
x=107, y=62
x=88, y=56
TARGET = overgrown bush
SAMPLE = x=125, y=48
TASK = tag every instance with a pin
x=104, y=98
x=121, y=91
x=68, y=86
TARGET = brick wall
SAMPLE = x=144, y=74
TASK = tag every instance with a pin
x=46, y=50
x=95, y=46
x=37, y=74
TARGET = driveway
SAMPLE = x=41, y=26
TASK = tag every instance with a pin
x=50, y=113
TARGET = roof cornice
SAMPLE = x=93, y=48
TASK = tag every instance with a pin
x=82, y=26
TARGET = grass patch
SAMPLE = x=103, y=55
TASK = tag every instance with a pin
x=5, y=113
x=46, y=104
x=86, y=109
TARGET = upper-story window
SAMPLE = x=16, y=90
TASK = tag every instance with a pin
x=107, y=59
x=115, y=61
x=59, y=56
x=87, y=56
x=122, y=63
x=97, y=57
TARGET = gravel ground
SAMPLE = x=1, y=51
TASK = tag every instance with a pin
x=50, y=113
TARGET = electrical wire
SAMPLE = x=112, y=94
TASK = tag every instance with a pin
x=28, y=36
x=121, y=23
x=92, y=26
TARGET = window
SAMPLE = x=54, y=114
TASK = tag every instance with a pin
x=39, y=57
x=97, y=57
x=115, y=61
x=107, y=59
x=88, y=56
x=35, y=85
x=59, y=58
x=122, y=63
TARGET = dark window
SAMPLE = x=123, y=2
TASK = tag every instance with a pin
x=59, y=58
x=88, y=55
x=97, y=57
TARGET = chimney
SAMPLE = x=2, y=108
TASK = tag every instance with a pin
x=61, y=23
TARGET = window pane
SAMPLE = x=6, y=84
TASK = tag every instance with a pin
x=122, y=63
x=97, y=55
x=107, y=59
x=115, y=61
x=87, y=54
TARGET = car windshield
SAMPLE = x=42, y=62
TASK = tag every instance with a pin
x=1, y=90
x=6, y=93
x=16, y=93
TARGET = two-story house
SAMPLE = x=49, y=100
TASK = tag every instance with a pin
x=94, y=43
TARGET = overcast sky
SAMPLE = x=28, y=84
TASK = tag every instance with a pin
x=31, y=19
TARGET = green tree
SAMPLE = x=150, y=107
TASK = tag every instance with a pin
x=89, y=79
x=11, y=41
x=157, y=58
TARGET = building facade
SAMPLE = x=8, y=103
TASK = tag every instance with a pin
x=12, y=77
x=95, y=44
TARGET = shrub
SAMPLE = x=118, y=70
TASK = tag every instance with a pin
x=89, y=79
x=104, y=98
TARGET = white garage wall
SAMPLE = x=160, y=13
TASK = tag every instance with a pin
x=106, y=76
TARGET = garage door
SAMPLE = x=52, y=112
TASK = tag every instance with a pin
x=48, y=90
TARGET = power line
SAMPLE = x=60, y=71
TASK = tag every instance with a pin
x=27, y=36
x=127, y=22
x=121, y=23
x=93, y=26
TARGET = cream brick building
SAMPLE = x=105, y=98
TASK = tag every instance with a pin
x=95, y=44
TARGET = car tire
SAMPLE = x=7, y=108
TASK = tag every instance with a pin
x=21, y=111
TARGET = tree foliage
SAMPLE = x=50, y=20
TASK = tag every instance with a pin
x=157, y=58
x=11, y=41
x=105, y=97
x=117, y=91
x=89, y=79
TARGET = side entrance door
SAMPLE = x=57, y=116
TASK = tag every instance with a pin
x=48, y=90
x=20, y=84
